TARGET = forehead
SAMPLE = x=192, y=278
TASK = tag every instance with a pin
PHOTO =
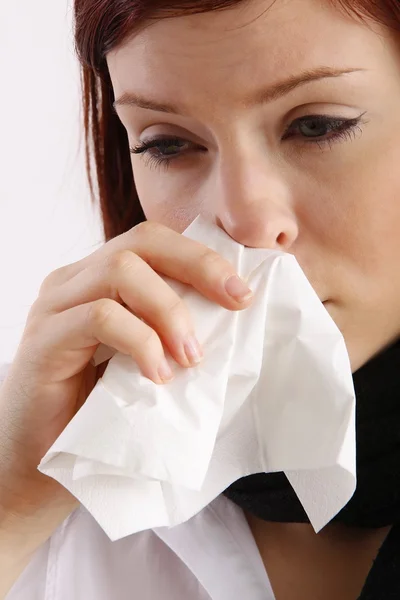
x=237, y=48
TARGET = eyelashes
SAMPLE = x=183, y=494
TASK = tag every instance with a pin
x=162, y=151
x=164, y=144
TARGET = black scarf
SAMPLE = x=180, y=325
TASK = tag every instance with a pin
x=376, y=501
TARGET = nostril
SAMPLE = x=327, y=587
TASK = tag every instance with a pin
x=220, y=224
x=281, y=240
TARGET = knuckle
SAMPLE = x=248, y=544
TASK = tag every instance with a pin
x=150, y=342
x=211, y=261
x=43, y=305
x=100, y=311
x=122, y=261
x=140, y=228
x=61, y=272
x=35, y=308
x=176, y=307
x=147, y=228
x=145, y=231
x=50, y=280
x=37, y=311
x=55, y=278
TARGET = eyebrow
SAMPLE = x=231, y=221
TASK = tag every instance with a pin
x=262, y=97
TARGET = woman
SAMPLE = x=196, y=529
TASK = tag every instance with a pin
x=279, y=121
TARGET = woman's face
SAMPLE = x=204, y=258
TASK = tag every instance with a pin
x=311, y=167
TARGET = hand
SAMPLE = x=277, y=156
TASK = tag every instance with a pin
x=114, y=296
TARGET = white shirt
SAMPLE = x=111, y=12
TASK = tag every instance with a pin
x=213, y=556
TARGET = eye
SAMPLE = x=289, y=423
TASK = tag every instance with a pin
x=323, y=129
x=313, y=129
x=162, y=151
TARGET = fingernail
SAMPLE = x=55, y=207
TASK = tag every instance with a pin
x=164, y=371
x=237, y=288
x=193, y=350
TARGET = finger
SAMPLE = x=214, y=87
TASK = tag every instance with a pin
x=181, y=258
x=128, y=279
x=102, y=321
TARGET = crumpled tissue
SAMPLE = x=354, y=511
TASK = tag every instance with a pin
x=274, y=392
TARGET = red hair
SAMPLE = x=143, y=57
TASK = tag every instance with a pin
x=100, y=26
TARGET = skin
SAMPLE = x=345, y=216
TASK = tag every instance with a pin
x=332, y=204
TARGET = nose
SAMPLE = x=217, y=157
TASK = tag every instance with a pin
x=254, y=205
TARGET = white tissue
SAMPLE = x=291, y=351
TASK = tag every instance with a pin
x=273, y=393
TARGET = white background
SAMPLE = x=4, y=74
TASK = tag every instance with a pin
x=46, y=216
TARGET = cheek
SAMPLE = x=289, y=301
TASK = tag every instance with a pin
x=355, y=212
x=171, y=216
x=355, y=237
x=349, y=225
x=370, y=213
x=166, y=198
